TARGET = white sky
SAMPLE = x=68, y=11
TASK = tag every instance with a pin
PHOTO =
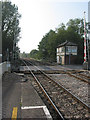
x=39, y=16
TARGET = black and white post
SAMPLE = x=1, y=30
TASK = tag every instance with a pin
x=89, y=35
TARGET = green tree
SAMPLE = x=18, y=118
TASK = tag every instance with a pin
x=75, y=32
x=10, y=27
x=61, y=34
x=23, y=55
x=76, y=25
x=34, y=54
x=46, y=46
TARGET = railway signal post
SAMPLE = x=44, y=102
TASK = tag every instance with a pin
x=89, y=35
x=84, y=39
x=86, y=64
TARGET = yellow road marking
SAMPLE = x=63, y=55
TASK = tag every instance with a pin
x=14, y=113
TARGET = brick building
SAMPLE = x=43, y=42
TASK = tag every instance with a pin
x=67, y=53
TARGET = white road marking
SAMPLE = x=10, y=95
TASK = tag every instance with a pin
x=31, y=107
x=47, y=112
x=37, y=107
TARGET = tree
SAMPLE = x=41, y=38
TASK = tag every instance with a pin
x=75, y=31
x=76, y=25
x=34, y=54
x=47, y=46
x=10, y=27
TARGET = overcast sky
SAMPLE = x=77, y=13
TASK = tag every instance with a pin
x=39, y=16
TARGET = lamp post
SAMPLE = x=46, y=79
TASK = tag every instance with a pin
x=14, y=40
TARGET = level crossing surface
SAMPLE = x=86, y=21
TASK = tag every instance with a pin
x=56, y=67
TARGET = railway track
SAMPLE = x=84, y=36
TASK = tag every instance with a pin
x=49, y=99
x=76, y=84
x=73, y=73
x=67, y=105
x=80, y=76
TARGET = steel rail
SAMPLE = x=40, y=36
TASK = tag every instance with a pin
x=84, y=75
x=75, y=97
x=50, y=100
x=78, y=77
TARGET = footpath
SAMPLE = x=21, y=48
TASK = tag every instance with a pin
x=5, y=66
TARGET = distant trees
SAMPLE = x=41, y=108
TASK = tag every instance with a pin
x=34, y=54
x=24, y=55
x=10, y=28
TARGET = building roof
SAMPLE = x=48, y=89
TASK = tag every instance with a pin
x=66, y=43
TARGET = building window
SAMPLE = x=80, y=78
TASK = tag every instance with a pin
x=68, y=49
x=71, y=49
x=89, y=26
x=63, y=49
x=74, y=50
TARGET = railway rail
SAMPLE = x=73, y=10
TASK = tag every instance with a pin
x=50, y=100
x=78, y=87
x=75, y=97
x=80, y=77
x=60, y=98
x=73, y=73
